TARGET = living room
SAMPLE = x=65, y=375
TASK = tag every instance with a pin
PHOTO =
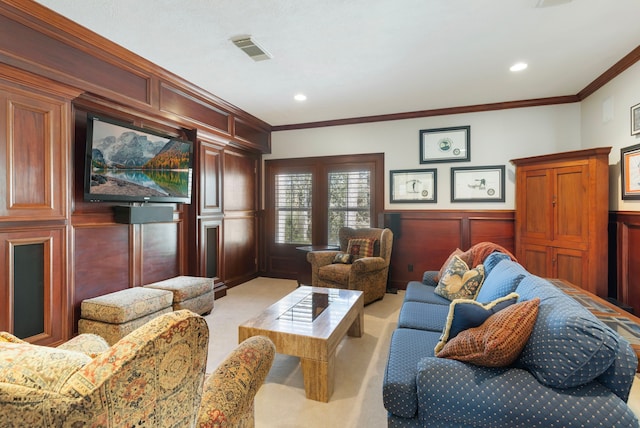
x=222, y=234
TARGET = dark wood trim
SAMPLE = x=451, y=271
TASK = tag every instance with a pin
x=624, y=239
x=617, y=68
x=434, y=112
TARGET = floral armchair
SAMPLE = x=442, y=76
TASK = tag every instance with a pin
x=361, y=264
x=153, y=377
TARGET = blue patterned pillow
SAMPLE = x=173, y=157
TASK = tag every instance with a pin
x=504, y=279
x=465, y=314
x=460, y=282
x=492, y=260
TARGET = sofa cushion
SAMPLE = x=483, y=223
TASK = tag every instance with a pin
x=407, y=348
x=335, y=272
x=498, y=341
x=457, y=252
x=503, y=279
x=423, y=316
x=492, y=260
x=361, y=247
x=464, y=314
x=344, y=258
x=419, y=292
x=460, y=282
x=569, y=346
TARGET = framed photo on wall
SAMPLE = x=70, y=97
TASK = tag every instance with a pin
x=635, y=119
x=630, y=171
x=477, y=184
x=445, y=144
x=413, y=185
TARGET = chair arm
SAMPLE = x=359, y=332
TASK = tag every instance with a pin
x=227, y=398
x=507, y=397
x=321, y=258
x=429, y=277
x=87, y=343
x=368, y=264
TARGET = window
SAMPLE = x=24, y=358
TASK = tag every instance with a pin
x=349, y=201
x=293, y=194
x=308, y=200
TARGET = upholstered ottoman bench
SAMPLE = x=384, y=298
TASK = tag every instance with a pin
x=115, y=315
x=189, y=292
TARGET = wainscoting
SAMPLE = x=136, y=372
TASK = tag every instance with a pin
x=624, y=258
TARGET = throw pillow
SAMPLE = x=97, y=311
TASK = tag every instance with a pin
x=343, y=258
x=465, y=314
x=456, y=252
x=361, y=247
x=498, y=341
x=460, y=282
x=480, y=251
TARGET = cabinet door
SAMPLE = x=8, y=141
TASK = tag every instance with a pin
x=571, y=265
x=571, y=204
x=537, y=259
x=534, y=204
x=33, y=157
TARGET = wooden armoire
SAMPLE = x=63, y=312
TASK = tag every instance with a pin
x=562, y=205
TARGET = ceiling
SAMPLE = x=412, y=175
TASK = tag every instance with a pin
x=358, y=58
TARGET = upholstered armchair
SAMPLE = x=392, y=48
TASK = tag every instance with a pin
x=153, y=377
x=361, y=264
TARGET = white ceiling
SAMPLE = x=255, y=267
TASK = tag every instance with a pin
x=356, y=58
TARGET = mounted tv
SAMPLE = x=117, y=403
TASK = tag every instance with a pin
x=125, y=163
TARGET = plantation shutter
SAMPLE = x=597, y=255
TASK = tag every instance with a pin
x=293, y=194
x=349, y=201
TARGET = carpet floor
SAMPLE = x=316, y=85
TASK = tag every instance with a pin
x=360, y=363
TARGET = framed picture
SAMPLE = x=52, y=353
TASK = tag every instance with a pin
x=445, y=144
x=630, y=171
x=477, y=184
x=635, y=119
x=413, y=185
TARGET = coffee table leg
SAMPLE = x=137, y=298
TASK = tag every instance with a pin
x=357, y=328
x=318, y=378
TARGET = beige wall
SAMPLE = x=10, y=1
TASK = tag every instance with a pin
x=496, y=137
x=606, y=121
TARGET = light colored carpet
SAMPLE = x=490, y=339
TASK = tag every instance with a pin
x=360, y=363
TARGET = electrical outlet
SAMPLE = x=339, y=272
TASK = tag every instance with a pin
x=410, y=267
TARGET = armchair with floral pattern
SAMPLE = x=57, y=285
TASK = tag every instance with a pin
x=153, y=377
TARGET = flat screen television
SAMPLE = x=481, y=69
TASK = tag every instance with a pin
x=125, y=163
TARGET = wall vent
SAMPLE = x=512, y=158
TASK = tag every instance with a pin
x=251, y=48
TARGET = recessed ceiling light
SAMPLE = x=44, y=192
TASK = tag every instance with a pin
x=300, y=97
x=519, y=66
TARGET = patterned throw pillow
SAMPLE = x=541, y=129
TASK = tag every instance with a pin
x=460, y=282
x=361, y=247
x=457, y=252
x=343, y=258
x=465, y=314
x=498, y=341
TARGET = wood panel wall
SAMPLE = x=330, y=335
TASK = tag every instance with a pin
x=423, y=240
x=624, y=258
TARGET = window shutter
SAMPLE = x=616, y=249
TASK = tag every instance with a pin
x=293, y=208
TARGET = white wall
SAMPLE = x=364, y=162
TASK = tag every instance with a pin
x=496, y=137
x=606, y=121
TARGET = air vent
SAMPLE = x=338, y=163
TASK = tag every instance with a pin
x=551, y=3
x=251, y=48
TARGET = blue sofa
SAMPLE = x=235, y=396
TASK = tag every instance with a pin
x=573, y=371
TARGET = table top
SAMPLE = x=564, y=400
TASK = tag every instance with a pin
x=309, y=248
x=293, y=313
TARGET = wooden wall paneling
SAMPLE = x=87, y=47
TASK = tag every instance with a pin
x=55, y=294
x=240, y=257
x=161, y=251
x=424, y=239
x=209, y=196
x=628, y=260
x=258, y=136
x=174, y=100
x=101, y=262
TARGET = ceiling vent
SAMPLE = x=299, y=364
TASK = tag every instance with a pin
x=550, y=3
x=251, y=48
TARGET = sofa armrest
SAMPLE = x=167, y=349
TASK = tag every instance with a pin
x=458, y=393
x=228, y=395
x=87, y=343
x=321, y=258
x=429, y=277
x=368, y=264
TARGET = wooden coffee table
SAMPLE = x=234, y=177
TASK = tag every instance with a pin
x=309, y=323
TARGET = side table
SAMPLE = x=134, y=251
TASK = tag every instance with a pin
x=304, y=268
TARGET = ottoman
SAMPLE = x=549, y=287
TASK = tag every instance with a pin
x=189, y=292
x=115, y=315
